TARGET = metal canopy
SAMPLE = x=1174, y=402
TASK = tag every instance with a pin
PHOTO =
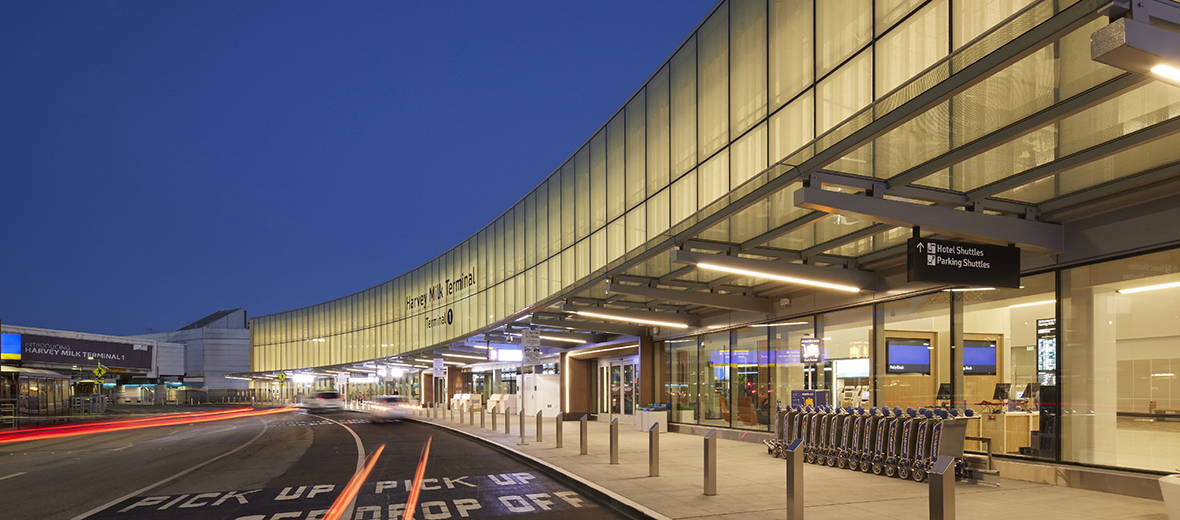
x=721, y=301
x=798, y=273
x=1030, y=234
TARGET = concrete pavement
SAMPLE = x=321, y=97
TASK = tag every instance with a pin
x=752, y=485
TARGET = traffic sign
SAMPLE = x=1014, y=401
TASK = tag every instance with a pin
x=98, y=372
x=282, y=377
x=99, y=382
x=961, y=263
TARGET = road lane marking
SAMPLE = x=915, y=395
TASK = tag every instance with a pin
x=13, y=475
x=360, y=460
x=149, y=487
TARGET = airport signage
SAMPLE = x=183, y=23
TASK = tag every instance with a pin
x=961, y=263
x=71, y=351
x=530, y=343
x=811, y=350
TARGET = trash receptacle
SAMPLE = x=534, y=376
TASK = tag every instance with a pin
x=1170, y=488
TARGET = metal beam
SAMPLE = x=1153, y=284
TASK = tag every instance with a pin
x=1015, y=130
x=1037, y=236
x=720, y=301
x=1018, y=48
x=1089, y=155
x=1163, y=173
x=832, y=277
x=846, y=239
x=662, y=319
x=608, y=328
x=800, y=222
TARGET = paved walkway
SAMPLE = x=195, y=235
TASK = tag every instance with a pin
x=752, y=485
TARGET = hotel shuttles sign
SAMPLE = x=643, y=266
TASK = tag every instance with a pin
x=960, y=263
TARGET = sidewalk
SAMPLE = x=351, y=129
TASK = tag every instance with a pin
x=752, y=485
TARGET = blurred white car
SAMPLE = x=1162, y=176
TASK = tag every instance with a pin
x=324, y=400
x=389, y=408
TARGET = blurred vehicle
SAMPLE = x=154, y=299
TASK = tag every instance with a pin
x=389, y=408
x=324, y=400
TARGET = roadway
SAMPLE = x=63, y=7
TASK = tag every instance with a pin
x=289, y=465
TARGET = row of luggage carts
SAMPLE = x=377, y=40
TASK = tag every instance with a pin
x=891, y=442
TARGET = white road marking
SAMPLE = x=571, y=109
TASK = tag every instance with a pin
x=149, y=487
x=123, y=448
x=360, y=463
x=13, y=475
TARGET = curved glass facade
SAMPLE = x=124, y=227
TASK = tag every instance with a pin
x=715, y=144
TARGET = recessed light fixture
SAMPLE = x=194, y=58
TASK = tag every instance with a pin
x=1167, y=72
x=1031, y=304
x=1149, y=288
x=631, y=319
x=781, y=278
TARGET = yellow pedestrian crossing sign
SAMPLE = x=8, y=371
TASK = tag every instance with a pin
x=282, y=377
x=98, y=372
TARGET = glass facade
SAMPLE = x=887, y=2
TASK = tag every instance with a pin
x=987, y=106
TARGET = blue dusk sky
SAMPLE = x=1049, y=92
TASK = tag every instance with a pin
x=160, y=161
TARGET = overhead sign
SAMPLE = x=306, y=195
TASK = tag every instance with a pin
x=811, y=350
x=960, y=263
x=530, y=344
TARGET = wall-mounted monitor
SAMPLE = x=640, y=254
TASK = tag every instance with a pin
x=852, y=367
x=907, y=356
x=979, y=357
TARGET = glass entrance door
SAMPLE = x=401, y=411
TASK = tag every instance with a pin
x=618, y=387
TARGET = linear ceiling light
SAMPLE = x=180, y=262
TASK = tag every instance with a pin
x=789, y=279
x=1149, y=288
x=1031, y=304
x=588, y=352
x=556, y=338
x=602, y=314
x=970, y=289
x=464, y=356
x=782, y=324
x=849, y=280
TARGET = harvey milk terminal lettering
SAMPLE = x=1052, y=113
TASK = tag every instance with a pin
x=437, y=291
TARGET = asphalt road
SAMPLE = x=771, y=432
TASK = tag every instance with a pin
x=288, y=465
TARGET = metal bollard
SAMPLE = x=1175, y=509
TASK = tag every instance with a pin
x=522, y=441
x=942, y=488
x=711, y=463
x=540, y=426
x=614, y=441
x=460, y=415
x=483, y=413
x=494, y=412
x=585, y=440
x=794, y=456
x=507, y=423
x=653, y=450
x=471, y=414
x=434, y=406
x=451, y=410
x=560, y=437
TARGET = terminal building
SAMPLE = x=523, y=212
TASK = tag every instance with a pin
x=741, y=234
x=43, y=369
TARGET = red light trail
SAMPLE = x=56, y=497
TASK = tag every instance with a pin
x=55, y=432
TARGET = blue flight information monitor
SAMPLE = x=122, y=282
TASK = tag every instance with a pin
x=907, y=356
x=979, y=358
